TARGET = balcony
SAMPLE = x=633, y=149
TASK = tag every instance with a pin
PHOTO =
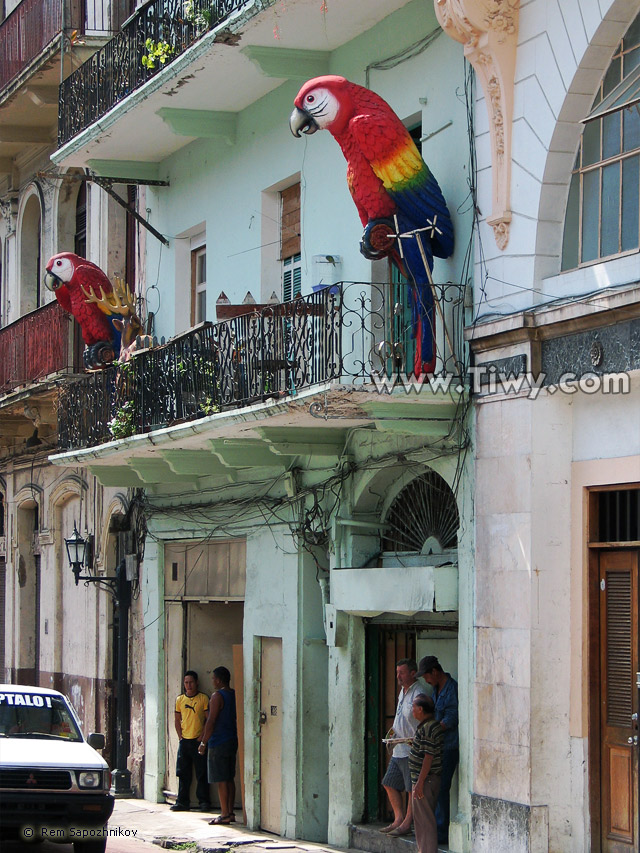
x=118, y=69
x=221, y=56
x=31, y=62
x=35, y=347
x=352, y=334
x=34, y=24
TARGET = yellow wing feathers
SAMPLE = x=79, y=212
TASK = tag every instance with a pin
x=399, y=168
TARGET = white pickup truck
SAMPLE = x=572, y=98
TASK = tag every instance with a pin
x=53, y=784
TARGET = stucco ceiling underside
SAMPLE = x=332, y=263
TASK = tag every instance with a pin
x=218, y=76
x=306, y=432
x=29, y=103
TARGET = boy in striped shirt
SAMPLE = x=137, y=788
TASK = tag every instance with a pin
x=425, y=767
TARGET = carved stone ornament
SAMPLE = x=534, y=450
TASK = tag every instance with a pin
x=596, y=353
x=488, y=29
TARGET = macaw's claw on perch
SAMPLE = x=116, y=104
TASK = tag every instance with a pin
x=99, y=355
x=377, y=240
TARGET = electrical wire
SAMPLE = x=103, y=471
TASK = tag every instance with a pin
x=396, y=59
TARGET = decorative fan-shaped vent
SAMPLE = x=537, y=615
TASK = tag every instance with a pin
x=424, y=510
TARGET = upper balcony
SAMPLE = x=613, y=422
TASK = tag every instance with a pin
x=292, y=363
x=39, y=41
x=214, y=58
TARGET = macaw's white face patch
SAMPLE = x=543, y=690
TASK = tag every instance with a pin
x=322, y=105
x=63, y=269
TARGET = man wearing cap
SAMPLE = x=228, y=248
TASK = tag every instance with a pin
x=397, y=779
x=445, y=696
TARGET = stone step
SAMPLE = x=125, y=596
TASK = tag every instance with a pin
x=369, y=838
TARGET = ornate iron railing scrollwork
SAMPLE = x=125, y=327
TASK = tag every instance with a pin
x=117, y=69
x=349, y=333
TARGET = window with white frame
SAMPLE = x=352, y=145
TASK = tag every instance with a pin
x=602, y=217
x=198, y=282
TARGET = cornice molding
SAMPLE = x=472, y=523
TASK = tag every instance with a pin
x=488, y=29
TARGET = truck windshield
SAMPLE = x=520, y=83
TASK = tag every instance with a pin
x=34, y=715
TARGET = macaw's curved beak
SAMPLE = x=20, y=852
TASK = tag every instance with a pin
x=51, y=281
x=301, y=122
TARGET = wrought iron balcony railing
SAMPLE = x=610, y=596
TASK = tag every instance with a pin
x=167, y=27
x=34, y=24
x=35, y=346
x=349, y=333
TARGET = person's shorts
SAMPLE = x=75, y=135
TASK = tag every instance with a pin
x=221, y=762
x=397, y=775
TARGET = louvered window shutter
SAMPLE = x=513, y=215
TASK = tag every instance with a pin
x=291, y=278
x=618, y=651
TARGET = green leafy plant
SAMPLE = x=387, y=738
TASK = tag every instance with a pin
x=122, y=425
x=201, y=19
x=157, y=52
x=209, y=407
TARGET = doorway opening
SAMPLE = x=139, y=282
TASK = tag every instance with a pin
x=614, y=661
x=421, y=527
x=204, y=614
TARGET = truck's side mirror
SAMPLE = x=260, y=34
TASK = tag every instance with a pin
x=96, y=740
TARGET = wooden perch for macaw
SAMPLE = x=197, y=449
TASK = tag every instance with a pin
x=417, y=234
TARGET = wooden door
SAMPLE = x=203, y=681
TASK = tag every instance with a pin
x=619, y=701
x=270, y=733
x=385, y=645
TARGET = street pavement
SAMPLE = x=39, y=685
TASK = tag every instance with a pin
x=156, y=823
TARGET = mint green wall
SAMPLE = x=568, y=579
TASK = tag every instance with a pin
x=324, y=688
x=313, y=710
x=370, y=492
x=221, y=185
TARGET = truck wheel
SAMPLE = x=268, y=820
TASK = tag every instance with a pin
x=90, y=846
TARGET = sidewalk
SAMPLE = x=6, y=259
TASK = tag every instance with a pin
x=155, y=823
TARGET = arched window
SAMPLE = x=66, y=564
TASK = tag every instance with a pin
x=602, y=218
x=423, y=517
x=30, y=255
x=80, y=236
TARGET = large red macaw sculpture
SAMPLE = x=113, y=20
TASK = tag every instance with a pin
x=391, y=185
x=106, y=316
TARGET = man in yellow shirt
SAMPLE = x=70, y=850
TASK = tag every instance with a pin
x=190, y=716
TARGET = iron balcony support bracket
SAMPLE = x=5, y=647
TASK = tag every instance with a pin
x=106, y=184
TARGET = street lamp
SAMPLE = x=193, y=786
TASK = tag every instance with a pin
x=77, y=551
x=79, y=554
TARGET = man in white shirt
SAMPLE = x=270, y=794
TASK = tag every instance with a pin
x=397, y=779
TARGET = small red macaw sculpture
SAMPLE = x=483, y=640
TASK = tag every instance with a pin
x=106, y=315
x=391, y=185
